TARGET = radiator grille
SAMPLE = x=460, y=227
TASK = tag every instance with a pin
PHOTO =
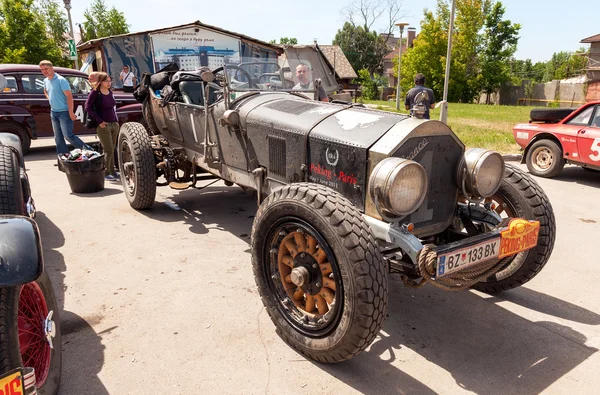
x=277, y=156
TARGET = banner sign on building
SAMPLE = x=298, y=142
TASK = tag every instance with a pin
x=134, y=51
x=192, y=48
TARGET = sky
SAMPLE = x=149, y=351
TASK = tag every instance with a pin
x=547, y=26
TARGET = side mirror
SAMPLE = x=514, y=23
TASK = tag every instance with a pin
x=21, y=259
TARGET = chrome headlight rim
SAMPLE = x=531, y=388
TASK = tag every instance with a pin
x=470, y=168
x=382, y=181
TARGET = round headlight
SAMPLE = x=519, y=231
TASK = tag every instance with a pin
x=482, y=171
x=398, y=185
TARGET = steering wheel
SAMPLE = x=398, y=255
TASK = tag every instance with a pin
x=251, y=83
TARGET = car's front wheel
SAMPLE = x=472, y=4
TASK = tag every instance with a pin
x=545, y=159
x=136, y=163
x=319, y=272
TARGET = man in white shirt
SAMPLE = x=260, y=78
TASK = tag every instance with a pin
x=128, y=79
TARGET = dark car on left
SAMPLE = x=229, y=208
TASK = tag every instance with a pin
x=25, y=111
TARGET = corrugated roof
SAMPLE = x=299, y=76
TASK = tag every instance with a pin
x=592, y=39
x=335, y=55
x=243, y=37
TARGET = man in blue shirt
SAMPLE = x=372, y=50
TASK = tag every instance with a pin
x=420, y=99
x=58, y=90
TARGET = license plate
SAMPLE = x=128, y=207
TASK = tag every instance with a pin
x=520, y=236
x=463, y=258
x=12, y=383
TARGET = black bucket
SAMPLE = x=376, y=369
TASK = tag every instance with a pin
x=86, y=176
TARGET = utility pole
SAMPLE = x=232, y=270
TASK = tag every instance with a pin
x=68, y=8
x=444, y=110
x=398, y=89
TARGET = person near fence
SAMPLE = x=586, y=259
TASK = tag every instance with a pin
x=57, y=90
x=128, y=79
x=425, y=99
x=100, y=105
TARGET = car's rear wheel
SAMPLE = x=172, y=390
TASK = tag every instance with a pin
x=545, y=159
x=136, y=163
x=29, y=317
x=319, y=272
x=520, y=196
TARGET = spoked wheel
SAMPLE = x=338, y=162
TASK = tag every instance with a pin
x=30, y=333
x=520, y=196
x=319, y=272
x=36, y=331
x=303, y=279
x=136, y=163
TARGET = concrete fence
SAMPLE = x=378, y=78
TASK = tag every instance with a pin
x=565, y=94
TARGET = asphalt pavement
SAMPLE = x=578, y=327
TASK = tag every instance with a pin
x=164, y=301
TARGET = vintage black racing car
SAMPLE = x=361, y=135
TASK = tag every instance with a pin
x=346, y=196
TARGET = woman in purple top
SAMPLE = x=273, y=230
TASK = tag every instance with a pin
x=100, y=105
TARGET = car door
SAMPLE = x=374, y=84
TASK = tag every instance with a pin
x=588, y=139
x=36, y=102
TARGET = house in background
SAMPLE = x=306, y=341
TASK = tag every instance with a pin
x=389, y=69
x=341, y=67
x=593, y=68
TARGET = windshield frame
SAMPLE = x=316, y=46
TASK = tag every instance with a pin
x=274, y=84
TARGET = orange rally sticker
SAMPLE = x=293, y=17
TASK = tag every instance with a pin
x=521, y=235
x=12, y=384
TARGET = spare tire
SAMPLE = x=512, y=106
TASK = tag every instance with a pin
x=550, y=114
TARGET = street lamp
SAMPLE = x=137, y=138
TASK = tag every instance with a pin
x=401, y=26
x=444, y=103
x=68, y=8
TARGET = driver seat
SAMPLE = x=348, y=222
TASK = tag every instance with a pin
x=191, y=91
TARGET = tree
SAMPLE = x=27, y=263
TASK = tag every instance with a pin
x=565, y=65
x=57, y=25
x=500, y=43
x=466, y=47
x=102, y=22
x=427, y=56
x=366, y=13
x=364, y=49
x=285, y=41
x=23, y=34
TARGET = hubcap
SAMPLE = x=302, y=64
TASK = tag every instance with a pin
x=299, y=276
x=36, y=330
x=305, y=278
x=542, y=159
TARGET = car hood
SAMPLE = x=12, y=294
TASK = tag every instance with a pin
x=345, y=124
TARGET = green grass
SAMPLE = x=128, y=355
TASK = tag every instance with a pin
x=478, y=125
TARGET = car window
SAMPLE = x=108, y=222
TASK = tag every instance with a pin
x=583, y=118
x=8, y=84
x=596, y=121
x=79, y=85
x=33, y=83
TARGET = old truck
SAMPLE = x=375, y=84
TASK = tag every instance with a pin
x=347, y=195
